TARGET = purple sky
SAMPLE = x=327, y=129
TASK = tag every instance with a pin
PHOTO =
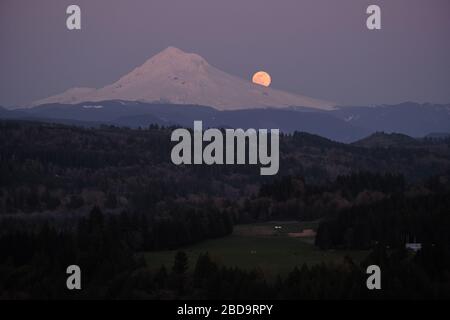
x=320, y=48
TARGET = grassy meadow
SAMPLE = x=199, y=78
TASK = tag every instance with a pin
x=265, y=246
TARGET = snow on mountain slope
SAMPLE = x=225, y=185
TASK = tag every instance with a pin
x=69, y=96
x=185, y=78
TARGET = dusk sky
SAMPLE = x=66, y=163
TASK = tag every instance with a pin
x=320, y=48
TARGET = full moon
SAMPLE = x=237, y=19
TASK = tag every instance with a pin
x=262, y=78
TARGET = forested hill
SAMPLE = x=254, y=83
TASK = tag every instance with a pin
x=100, y=197
x=49, y=167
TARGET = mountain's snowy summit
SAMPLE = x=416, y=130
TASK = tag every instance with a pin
x=178, y=77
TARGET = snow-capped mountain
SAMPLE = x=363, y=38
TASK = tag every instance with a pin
x=178, y=77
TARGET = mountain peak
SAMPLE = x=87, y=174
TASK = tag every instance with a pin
x=173, y=51
x=179, y=77
x=173, y=55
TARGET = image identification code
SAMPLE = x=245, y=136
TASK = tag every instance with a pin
x=226, y=309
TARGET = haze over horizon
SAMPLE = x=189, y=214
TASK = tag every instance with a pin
x=319, y=48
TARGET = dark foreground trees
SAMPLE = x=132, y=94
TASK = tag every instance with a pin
x=33, y=265
x=393, y=222
x=52, y=175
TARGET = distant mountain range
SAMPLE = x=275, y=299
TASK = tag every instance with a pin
x=343, y=124
x=409, y=118
x=176, y=88
x=176, y=77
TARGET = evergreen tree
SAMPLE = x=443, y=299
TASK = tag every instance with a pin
x=180, y=264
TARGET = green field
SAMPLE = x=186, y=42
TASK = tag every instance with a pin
x=259, y=246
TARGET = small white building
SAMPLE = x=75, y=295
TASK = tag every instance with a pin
x=413, y=246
